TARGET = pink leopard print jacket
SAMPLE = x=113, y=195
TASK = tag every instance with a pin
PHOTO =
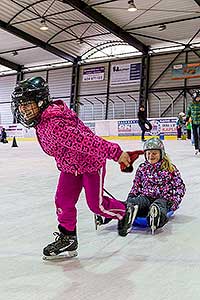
x=74, y=146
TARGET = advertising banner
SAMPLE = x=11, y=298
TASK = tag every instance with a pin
x=94, y=74
x=125, y=74
x=166, y=126
x=128, y=128
x=182, y=71
x=14, y=130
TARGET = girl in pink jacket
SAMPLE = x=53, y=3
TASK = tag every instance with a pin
x=80, y=156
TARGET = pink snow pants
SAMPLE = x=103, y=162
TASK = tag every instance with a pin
x=68, y=191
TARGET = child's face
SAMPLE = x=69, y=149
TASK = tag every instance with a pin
x=153, y=156
x=29, y=110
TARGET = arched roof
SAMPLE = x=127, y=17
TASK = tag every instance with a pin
x=77, y=28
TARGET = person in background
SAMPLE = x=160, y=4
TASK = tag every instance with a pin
x=180, y=124
x=189, y=128
x=144, y=124
x=157, y=186
x=193, y=112
x=3, y=136
x=80, y=156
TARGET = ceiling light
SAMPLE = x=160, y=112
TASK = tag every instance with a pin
x=131, y=6
x=195, y=45
x=162, y=27
x=43, y=26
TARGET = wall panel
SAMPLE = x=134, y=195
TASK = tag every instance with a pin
x=60, y=83
x=7, y=84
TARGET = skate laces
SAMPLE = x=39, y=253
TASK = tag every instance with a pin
x=57, y=235
x=59, y=238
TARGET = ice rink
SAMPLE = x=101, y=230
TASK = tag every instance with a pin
x=108, y=267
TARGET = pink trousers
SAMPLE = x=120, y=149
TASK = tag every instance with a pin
x=68, y=191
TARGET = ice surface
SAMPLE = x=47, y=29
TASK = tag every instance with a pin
x=109, y=267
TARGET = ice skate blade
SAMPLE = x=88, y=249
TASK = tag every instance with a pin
x=136, y=207
x=153, y=214
x=67, y=255
x=153, y=228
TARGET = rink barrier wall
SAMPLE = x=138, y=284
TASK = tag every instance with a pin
x=109, y=129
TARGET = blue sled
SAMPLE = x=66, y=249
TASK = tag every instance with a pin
x=142, y=221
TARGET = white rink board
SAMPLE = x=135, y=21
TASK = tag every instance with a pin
x=139, y=266
x=128, y=127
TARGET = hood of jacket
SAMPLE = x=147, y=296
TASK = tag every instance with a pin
x=57, y=108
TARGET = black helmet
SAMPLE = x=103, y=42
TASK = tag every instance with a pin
x=196, y=94
x=33, y=89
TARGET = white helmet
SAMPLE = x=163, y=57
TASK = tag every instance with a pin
x=196, y=95
x=154, y=144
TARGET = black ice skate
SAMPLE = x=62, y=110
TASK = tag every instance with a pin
x=63, y=247
x=125, y=225
x=154, y=217
x=99, y=220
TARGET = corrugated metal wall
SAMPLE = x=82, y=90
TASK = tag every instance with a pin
x=192, y=57
x=123, y=106
x=156, y=107
x=92, y=108
x=92, y=95
x=158, y=64
x=7, y=84
x=124, y=96
x=35, y=74
x=60, y=83
x=93, y=87
x=123, y=99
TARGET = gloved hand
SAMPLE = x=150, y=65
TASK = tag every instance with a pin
x=125, y=159
x=133, y=156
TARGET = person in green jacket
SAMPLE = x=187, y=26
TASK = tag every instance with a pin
x=193, y=112
x=189, y=129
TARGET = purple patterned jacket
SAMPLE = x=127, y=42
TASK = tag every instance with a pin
x=155, y=183
x=74, y=146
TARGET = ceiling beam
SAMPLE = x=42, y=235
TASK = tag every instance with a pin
x=9, y=64
x=33, y=40
x=92, y=14
x=198, y=2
